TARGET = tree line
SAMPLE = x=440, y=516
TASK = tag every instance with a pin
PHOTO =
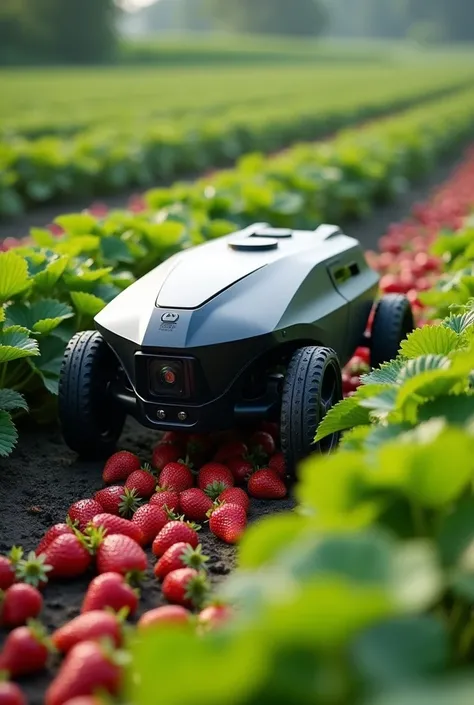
x=84, y=31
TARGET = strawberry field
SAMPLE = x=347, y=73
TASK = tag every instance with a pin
x=189, y=568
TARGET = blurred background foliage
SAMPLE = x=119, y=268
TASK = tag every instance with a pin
x=89, y=31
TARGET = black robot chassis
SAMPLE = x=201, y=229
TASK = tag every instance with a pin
x=254, y=325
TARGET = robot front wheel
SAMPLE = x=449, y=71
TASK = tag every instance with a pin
x=91, y=423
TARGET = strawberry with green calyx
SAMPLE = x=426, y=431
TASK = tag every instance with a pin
x=34, y=569
x=165, y=453
x=150, y=519
x=10, y=693
x=215, y=473
x=119, y=466
x=119, y=500
x=241, y=469
x=95, y=625
x=111, y=524
x=195, y=504
x=110, y=591
x=9, y=567
x=53, y=532
x=262, y=446
x=228, y=522
x=25, y=650
x=215, y=489
x=88, y=668
x=121, y=554
x=166, y=615
x=266, y=484
x=176, y=476
x=82, y=512
x=18, y=604
x=68, y=555
x=186, y=587
x=234, y=495
x=180, y=555
x=166, y=499
x=175, y=532
x=143, y=481
x=271, y=427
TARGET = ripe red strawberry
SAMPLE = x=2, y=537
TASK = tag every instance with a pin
x=176, y=476
x=82, y=512
x=25, y=651
x=7, y=573
x=164, y=498
x=265, y=484
x=271, y=427
x=228, y=522
x=118, y=500
x=142, y=481
x=215, y=473
x=175, y=437
x=277, y=464
x=175, y=532
x=20, y=603
x=230, y=451
x=52, y=533
x=214, y=615
x=195, y=504
x=150, y=519
x=119, y=466
x=68, y=556
x=180, y=555
x=10, y=694
x=110, y=590
x=262, y=443
x=241, y=469
x=117, y=525
x=235, y=495
x=186, y=587
x=87, y=669
x=166, y=614
x=90, y=626
x=121, y=554
x=165, y=453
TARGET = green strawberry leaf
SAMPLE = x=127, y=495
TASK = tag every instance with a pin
x=460, y=322
x=343, y=415
x=87, y=304
x=430, y=384
x=48, y=365
x=8, y=434
x=430, y=340
x=14, y=276
x=385, y=374
x=15, y=343
x=114, y=250
x=11, y=400
x=77, y=223
x=39, y=317
x=417, y=365
x=455, y=408
x=50, y=273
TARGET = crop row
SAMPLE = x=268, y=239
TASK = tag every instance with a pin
x=363, y=593
x=115, y=156
x=55, y=284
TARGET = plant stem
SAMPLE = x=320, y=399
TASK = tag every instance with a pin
x=3, y=374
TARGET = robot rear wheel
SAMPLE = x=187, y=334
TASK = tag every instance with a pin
x=313, y=384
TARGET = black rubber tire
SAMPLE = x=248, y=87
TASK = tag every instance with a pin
x=393, y=321
x=90, y=424
x=309, y=370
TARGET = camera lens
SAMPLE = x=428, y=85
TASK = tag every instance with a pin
x=168, y=375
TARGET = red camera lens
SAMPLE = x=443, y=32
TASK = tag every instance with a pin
x=168, y=375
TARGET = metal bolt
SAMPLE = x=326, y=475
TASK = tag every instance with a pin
x=161, y=414
x=182, y=416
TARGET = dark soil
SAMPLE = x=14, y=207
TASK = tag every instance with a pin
x=43, y=478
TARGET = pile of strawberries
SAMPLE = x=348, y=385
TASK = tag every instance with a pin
x=192, y=480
